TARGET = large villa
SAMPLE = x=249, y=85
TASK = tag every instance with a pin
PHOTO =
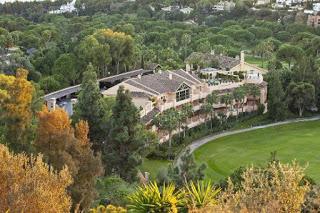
x=155, y=93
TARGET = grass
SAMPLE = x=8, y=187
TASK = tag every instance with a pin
x=257, y=61
x=297, y=141
x=153, y=166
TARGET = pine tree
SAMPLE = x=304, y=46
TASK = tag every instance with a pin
x=90, y=167
x=62, y=145
x=276, y=97
x=90, y=107
x=122, y=151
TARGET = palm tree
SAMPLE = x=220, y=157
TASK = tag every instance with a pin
x=168, y=121
x=254, y=91
x=208, y=107
x=187, y=111
x=227, y=99
x=239, y=94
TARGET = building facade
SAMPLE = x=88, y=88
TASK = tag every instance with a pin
x=155, y=93
x=313, y=21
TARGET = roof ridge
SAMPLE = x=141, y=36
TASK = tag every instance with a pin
x=186, y=78
x=191, y=76
x=133, y=79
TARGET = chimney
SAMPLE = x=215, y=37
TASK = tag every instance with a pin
x=139, y=76
x=52, y=104
x=242, y=57
x=160, y=71
x=170, y=76
x=212, y=52
x=188, y=68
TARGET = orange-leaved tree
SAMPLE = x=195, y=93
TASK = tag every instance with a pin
x=28, y=185
x=62, y=145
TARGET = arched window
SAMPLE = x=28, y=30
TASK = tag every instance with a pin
x=183, y=93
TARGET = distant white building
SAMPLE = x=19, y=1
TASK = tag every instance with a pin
x=316, y=7
x=288, y=3
x=66, y=8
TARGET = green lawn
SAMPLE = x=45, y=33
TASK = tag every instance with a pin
x=153, y=166
x=257, y=61
x=298, y=141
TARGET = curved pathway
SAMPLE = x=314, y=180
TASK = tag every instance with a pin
x=197, y=143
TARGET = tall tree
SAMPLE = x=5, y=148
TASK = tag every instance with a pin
x=16, y=107
x=187, y=111
x=290, y=54
x=83, y=190
x=90, y=107
x=65, y=66
x=227, y=100
x=276, y=97
x=28, y=184
x=121, y=47
x=254, y=91
x=168, y=121
x=92, y=51
x=239, y=94
x=264, y=49
x=122, y=152
x=208, y=107
x=182, y=117
x=301, y=96
x=62, y=145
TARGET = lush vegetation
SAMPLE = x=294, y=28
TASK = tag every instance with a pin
x=95, y=156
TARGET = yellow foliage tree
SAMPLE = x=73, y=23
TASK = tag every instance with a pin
x=52, y=123
x=276, y=188
x=15, y=105
x=82, y=131
x=27, y=184
x=62, y=145
x=121, y=46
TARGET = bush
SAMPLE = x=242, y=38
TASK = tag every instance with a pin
x=261, y=109
x=114, y=190
x=276, y=188
x=200, y=195
x=151, y=198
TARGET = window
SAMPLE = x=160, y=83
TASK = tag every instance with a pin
x=183, y=93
